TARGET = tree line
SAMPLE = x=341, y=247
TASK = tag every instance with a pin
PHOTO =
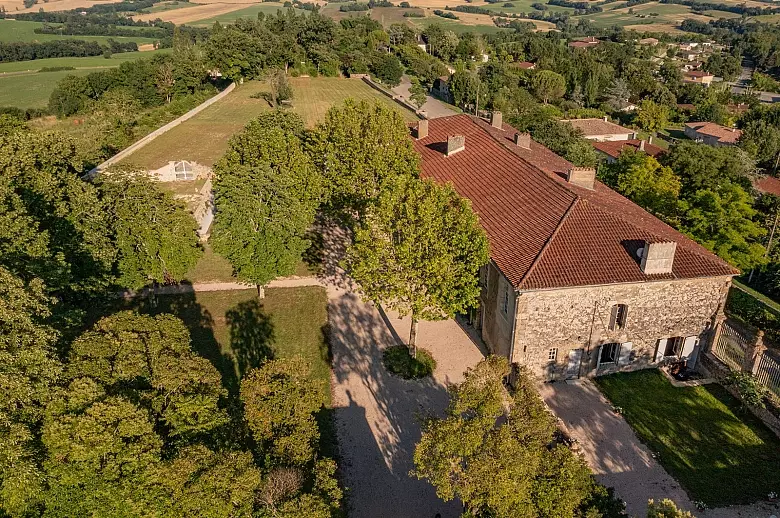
x=25, y=51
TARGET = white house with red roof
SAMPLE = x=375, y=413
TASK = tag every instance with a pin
x=581, y=280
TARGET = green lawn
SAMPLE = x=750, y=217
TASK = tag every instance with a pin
x=237, y=331
x=204, y=138
x=212, y=267
x=31, y=90
x=13, y=30
x=719, y=454
x=89, y=62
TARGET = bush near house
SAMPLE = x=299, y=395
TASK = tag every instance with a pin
x=700, y=435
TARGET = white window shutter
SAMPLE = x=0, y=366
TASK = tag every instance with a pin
x=659, y=353
x=598, y=358
x=688, y=345
x=625, y=353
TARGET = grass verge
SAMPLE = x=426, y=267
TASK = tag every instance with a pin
x=720, y=454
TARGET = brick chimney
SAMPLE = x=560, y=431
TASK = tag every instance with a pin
x=657, y=257
x=496, y=120
x=582, y=176
x=523, y=140
x=641, y=145
x=422, y=129
x=455, y=144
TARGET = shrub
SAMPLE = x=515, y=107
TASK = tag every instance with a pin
x=398, y=361
x=751, y=392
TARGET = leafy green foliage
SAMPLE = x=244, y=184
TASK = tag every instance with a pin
x=266, y=192
x=665, y=509
x=751, y=392
x=547, y=85
x=155, y=236
x=564, y=140
x=652, y=117
x=506, y=470
x=646, y=182
x=418, y=251
x=418, y=94
x=280, y=398
x=398, y=361
x=359, y=147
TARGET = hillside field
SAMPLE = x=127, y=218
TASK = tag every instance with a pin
x=18, y=30
x=22, y=86
x=204, y=138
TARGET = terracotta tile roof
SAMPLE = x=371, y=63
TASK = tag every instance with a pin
x=526, y=65
x=722, y=133
x=697, y=73
x=543, y=231
x=768, y=185
x=595, y=127
x=613, y=148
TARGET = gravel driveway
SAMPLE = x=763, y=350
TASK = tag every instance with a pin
x=378, y=415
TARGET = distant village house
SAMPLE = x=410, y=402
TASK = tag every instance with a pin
x=712, y=134
x=601, y=129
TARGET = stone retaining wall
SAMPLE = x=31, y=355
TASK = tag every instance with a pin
x=159, y=131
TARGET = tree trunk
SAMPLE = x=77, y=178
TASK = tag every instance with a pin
x=260, y=292
x=413, y=337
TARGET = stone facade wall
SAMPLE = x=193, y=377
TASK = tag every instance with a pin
x=579, y=318
x=496, y=324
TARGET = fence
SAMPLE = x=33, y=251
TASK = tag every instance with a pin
x=731, y=345
x=768, y=373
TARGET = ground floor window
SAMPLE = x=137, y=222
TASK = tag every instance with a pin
x=609, y=353
x=674, y=346
x=552, y=354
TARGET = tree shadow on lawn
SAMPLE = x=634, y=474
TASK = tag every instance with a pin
x=718, y=453
x=251, y=335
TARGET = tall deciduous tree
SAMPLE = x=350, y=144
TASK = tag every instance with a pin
x=155, y=237
x=266, y=193
x=721, y=219
x=641, y=178
x=652, y=117
x=507, y=470
x=280, y=399
x=419, y=251
x=358, y=147
x=28, y=372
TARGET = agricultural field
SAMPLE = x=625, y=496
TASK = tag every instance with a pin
x=243, y=12
x=17, y=6
x=204, y=138
x=23, y=31
x=32, y=90
x=22, y=86
x=167, y=6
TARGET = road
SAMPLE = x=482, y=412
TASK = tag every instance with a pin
x=433, y=108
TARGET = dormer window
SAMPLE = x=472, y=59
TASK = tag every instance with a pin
x=618, y=317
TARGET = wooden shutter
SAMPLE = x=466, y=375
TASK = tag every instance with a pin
x=659, y=353
x=613, y=317
x=688, y=345
x=598, y=358
x=625, y=353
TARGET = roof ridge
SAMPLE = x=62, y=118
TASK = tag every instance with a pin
x=550, y=239
x=539, y=172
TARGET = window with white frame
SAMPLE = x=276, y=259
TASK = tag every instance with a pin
x=609, y=353
x=674, y=346
x=552, y=354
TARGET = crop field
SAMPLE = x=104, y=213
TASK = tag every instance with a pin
x=31, y=90
x=22, y=86
x=457, y=26
x=23, y=31
x=204, y=138
x=168, y=6
x=243, y=12
x=17, y=6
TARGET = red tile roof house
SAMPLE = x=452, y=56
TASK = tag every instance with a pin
x=601, y=129
x=712, y=134
x=611, y=149
x=581, y=281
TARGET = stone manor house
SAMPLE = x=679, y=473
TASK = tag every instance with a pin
x=581, y=280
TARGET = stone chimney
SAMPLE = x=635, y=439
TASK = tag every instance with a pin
x=496, y=120
x=422, y=129
x=606, y=118
x=582, y=176
x=523, y=140
x=641, y=145
x=455, y=144
x=650, y=139
x=657, y=257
